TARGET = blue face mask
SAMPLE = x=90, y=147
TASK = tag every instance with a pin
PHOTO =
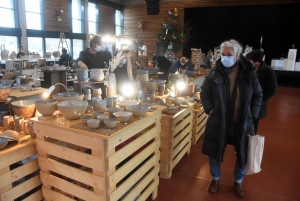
x=123, y=61
x=227, y=61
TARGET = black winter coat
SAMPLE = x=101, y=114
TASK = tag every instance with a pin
x=214, y=91
x=268, y=83
x=91, y=60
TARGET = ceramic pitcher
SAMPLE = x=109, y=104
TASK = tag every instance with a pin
x=4, y=54
x=97, y=75
x=83, y=75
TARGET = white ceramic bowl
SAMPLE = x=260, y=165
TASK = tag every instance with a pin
x=96, y=114
x=93, y=123
x=125, y=103
x=110, y=123
x=112, y=110
x=138, y=110
x=85, y=118
x=72, y=109
x=102, y=118
x=68, y=96
x=123, y=116
x=24, y=108
x=46, y=107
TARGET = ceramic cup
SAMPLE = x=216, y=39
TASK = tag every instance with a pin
x=85, y=118
x=102, y=118
x=101, y=105
x=109, y=102
x=110, y=123
x=93, y=123
x=97, y=113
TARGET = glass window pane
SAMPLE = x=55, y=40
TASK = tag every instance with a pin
x=10, y=42
x=33, y=21
x=52, y=44
x=33, y=6
x=92, y=28
x=35, y=45
x=92, y=12
x=76, y=26
x=76, y=9
x=119, y=30
x=7, y=4
x=77, y=48
x=117, y=17
x=9, y=20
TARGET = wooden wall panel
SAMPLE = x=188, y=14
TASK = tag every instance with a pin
x=134, y=13
x=50, y=19
x=106, y=20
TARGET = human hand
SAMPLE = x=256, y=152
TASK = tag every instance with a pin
x=180, y=70
x=210, y=113
x=82, y=65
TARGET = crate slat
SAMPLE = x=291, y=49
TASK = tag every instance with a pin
x=21, y=189
x=71, y=172
x=128, y=167
x=69, y=187
x=181, y=154
x=69, y=154
x=114, y=159
x=52, y=195
x=124, y=187
x=199, y=123
x=37, y=196
x=18, y=173
x=151, y=188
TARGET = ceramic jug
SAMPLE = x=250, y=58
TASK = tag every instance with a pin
x=13, y=55
x=4, y=54
x=97, y=75
x=82, y=75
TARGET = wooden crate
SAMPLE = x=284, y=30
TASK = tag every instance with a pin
x=176, y=137
x=199, y=123
x=19, y=181
x=121, y=166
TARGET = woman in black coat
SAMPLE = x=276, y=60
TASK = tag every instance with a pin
x=231, y=95
x=267, y=80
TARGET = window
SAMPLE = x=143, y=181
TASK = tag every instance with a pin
x=34, y=14
x=77, y=48
x=93, y=18
x=10, y=42
x=77, y=16
x=35, y=45
x=8, y=10
x=119, y=22
x=52, y=44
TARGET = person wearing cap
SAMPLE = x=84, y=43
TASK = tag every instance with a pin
x=64, y=57
x=267, y=80
x=20, y=52
x=92, y=57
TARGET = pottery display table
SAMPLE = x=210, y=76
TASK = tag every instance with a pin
x=99, y=164
x=19, y=177
x=199, y=124
x=176, y=134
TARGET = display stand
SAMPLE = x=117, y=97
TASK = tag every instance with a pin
x=176, y=134
x=62, y=40
x=110, y=165
x=199, y=124
x=17, y=182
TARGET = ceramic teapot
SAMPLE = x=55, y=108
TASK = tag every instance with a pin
x=97, y=74
x=4, y=54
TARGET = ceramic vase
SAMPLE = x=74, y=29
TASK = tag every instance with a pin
x=151, y=86
x=161, y=88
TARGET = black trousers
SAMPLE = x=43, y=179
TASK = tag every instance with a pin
x=255, y=122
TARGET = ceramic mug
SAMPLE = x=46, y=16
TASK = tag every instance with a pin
x=109, y=102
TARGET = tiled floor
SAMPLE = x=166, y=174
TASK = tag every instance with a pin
x=279, y=179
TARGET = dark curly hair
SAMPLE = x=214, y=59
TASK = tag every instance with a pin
x=256, y=55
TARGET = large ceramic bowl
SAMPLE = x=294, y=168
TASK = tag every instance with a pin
x=112, y=110
x=68, y=96
x=10, y=82
x=4, y=91
x=72, y=109
x=125, y=103
x=46, y=107
x=138, y=110
x=123, y=116
x=24, y=108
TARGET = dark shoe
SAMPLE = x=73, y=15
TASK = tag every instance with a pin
x=213, y=186
x=239, y=189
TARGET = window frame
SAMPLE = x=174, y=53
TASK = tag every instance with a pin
x=16, y=14
x=82, y=17
x=97, y=18
x=41, y=14
x=121, y=25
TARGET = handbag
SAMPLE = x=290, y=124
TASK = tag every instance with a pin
x=255, y=154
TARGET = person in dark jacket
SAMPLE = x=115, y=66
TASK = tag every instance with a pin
x=164, y=65
x=106, y=55
x=92, y=57
x=208, y=60
x=267, y=80
x=121, y=73
x=179, y=65
x=232, y=96
x=64, y=58
x=20, y=52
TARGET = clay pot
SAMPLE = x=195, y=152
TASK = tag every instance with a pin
x=151, y=86
x=173, y=77
x=161, y=88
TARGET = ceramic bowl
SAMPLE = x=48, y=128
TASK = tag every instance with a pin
x=138, y=110
x=112, y=110
x=146, y=102
x=93, y=123
x=96, y=114
x=10, y=82
x=46, y=107
x=3, y=142
x=72, y=109
x=68, y=96
x=102, y=118
x=24, y=108
x=125, y=103
x=110, y=123
x=172, y=110
x=85, y=118
x=123, y=116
